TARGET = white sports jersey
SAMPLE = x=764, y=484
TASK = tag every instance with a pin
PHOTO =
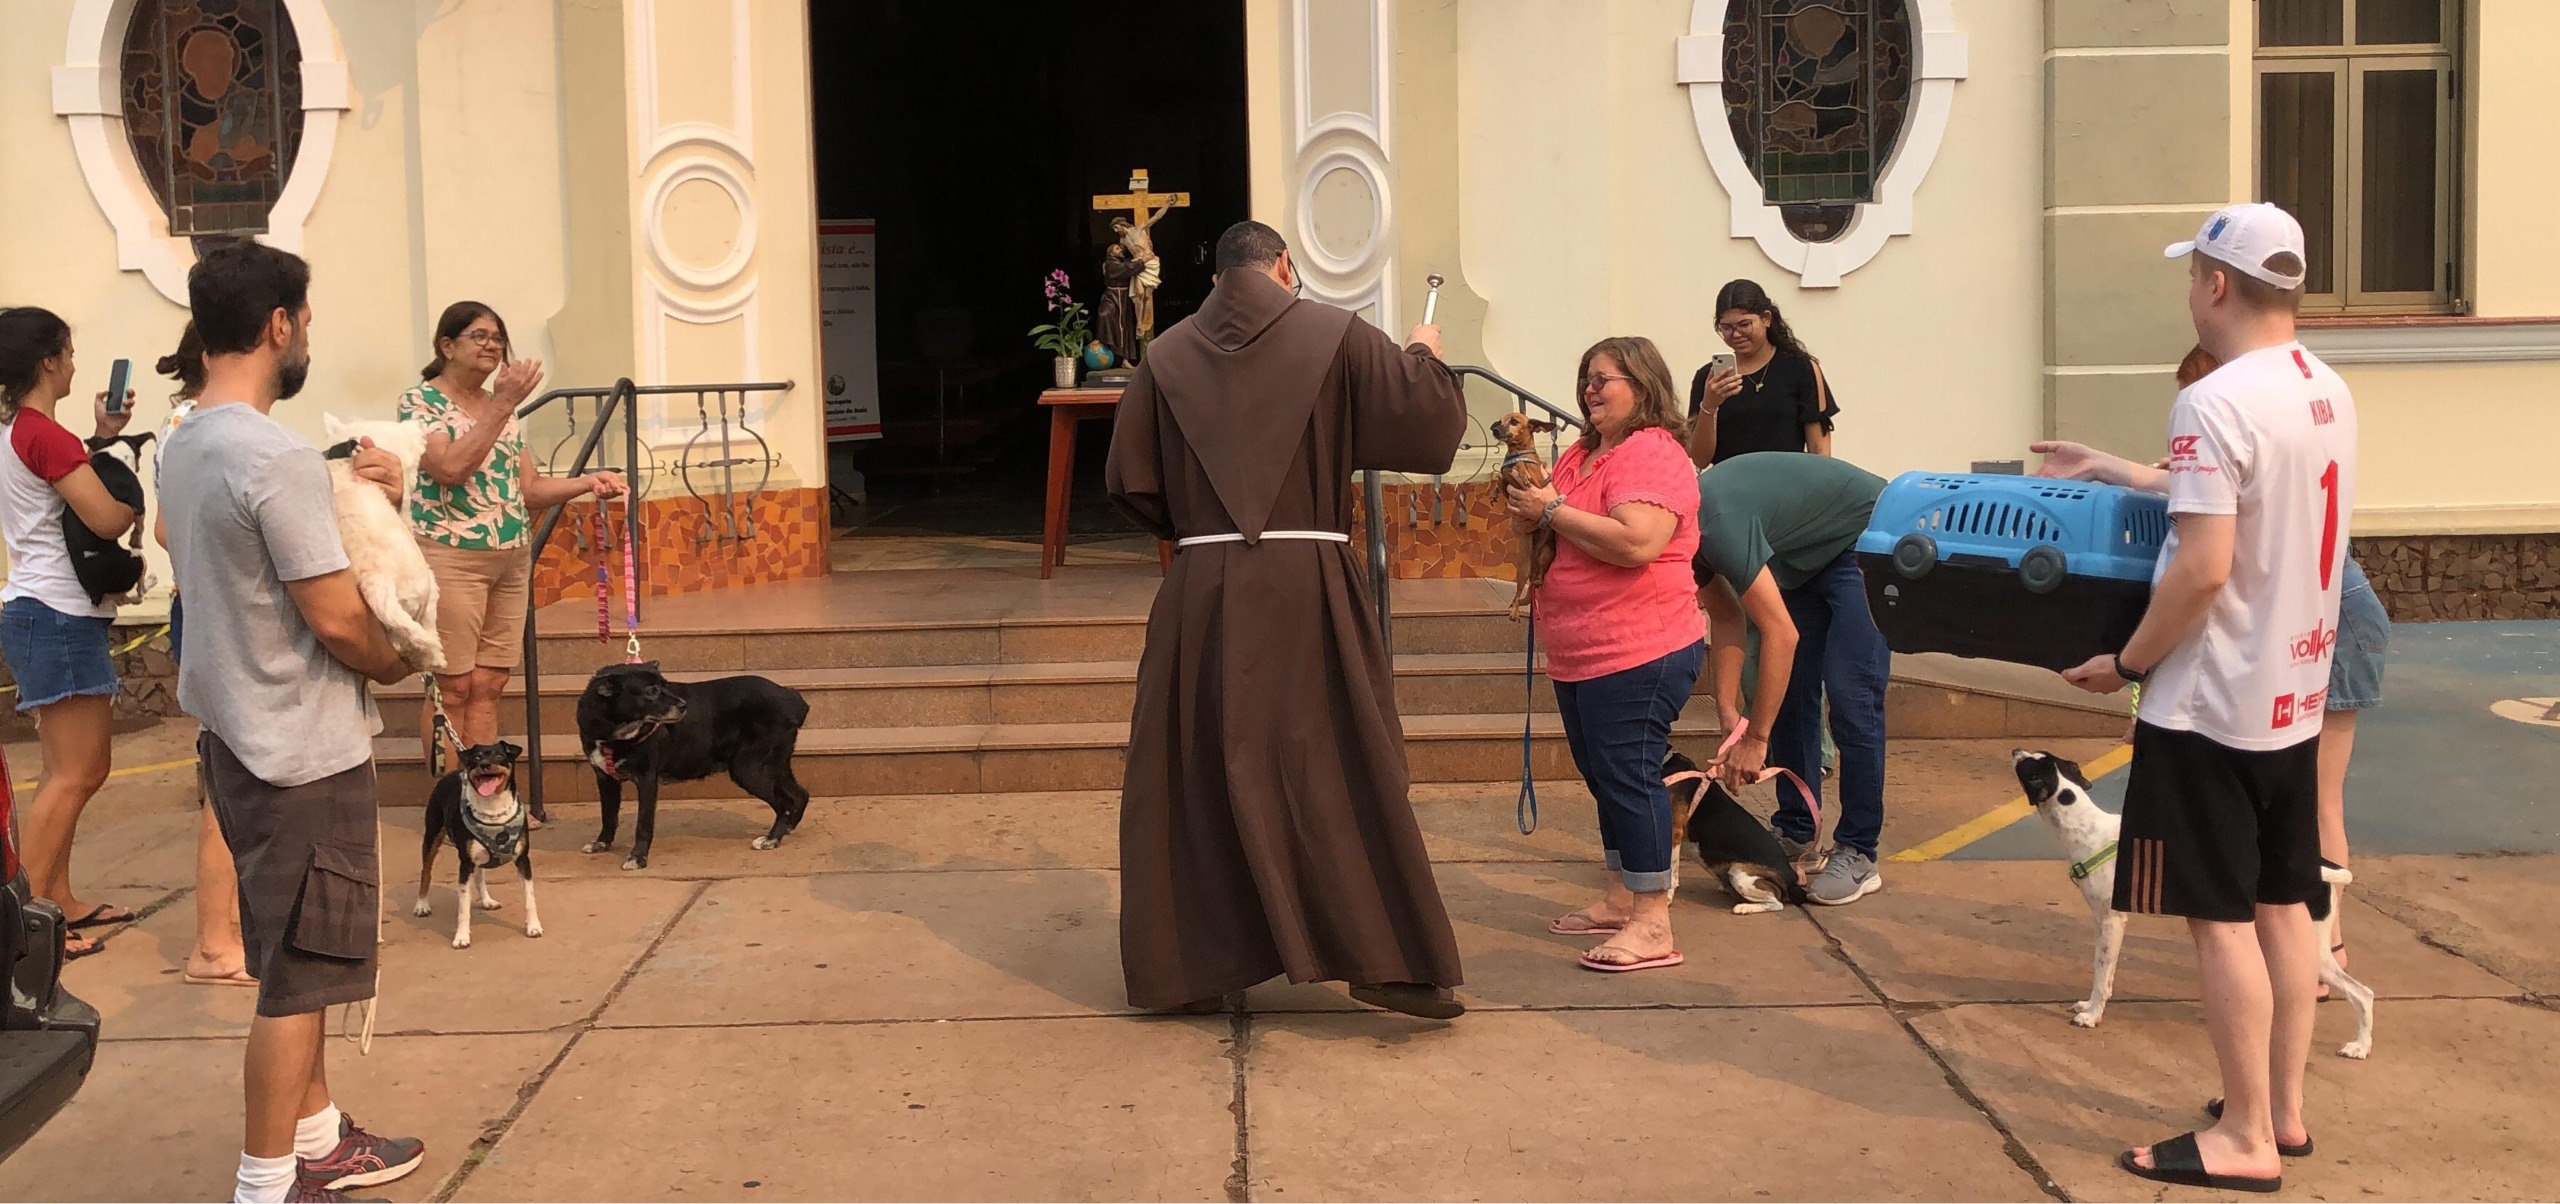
x=2270, y=438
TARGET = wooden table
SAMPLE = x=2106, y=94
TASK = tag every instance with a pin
x=1067, y=407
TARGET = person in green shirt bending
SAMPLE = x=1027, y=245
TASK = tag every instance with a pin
x=1774, y=536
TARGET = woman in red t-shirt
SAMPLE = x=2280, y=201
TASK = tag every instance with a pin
x=52, y=634
x=1624, y=640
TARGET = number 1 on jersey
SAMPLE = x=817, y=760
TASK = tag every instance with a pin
x=2329, y=526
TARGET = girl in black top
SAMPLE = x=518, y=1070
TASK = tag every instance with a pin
x=1777, y=400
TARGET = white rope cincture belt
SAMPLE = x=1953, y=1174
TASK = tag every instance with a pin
x=1189, y=541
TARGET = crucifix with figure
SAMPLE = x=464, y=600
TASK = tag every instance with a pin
x=1145, y=208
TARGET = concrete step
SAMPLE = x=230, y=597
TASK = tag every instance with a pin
x=1001, y=757
x=1065, y=639
x=1930, y=697
x=1056, y=692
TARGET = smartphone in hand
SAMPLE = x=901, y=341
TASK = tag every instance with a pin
x=1723, y=365
x=119, y=378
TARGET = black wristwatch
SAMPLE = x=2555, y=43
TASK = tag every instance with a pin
x=2127, y=673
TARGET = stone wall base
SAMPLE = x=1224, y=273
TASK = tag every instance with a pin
x=2432, y=578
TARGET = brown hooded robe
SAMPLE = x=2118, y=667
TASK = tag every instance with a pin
x=1264, y=823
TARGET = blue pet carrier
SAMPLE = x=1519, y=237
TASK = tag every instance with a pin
x=2010, y=568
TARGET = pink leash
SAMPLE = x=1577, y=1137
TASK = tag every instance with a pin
x=604, y=588
x=630, y=588
x=1806, y=862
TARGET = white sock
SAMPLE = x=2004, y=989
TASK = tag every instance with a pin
x=264, y=1180
x=316, y=1135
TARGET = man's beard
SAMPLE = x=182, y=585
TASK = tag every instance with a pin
x=291, y=376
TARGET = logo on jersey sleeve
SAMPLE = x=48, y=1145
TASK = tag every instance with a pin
x=2322, y=414
x=2182, y=448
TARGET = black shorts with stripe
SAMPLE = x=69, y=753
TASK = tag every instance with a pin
x=2210, y=831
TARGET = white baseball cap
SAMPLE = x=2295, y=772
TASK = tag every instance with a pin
x=2246, y=236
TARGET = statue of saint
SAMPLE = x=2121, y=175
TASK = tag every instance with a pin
x=1115, y=320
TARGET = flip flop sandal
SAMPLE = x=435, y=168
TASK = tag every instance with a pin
x=2177, y=1161
x=1665, y=961
x=241, y=979
x=73, y=953
x=1562, y=926
x=98, y=917
x=2213, y=1108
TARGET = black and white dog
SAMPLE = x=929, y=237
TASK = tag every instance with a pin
x=2087, y=834
x=105, y=568
x=1733, y=845
x=476, y=808
x=636, y=726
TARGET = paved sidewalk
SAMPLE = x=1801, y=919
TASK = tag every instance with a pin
x=919, y=998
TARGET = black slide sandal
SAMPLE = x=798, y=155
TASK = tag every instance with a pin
x=2213, y=1108
x=2177, y=1161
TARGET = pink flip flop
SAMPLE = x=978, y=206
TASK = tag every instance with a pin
x=1667, y=960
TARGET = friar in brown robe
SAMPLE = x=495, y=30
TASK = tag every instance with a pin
x=1265, y=826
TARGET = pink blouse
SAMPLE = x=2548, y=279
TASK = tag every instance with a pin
x=1597, y=618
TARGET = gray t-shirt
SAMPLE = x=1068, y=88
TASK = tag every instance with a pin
x=248, y=507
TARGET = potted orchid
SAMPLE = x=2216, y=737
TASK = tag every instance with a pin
x=1065, y=335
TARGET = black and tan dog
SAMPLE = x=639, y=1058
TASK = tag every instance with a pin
x=476, y=808
x=1522, y=469
x=636, y=726
x=1734, y=846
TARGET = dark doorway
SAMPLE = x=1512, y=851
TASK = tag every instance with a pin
x=977, y=139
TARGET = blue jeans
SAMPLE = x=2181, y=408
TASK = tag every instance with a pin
x=1619, y=727
x=2364, y=639
x=53, y=655
x=1838, y=651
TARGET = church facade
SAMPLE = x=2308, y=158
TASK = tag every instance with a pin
x=1959, y=204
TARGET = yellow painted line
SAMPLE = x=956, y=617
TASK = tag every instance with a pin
x=2003, y=815
x=163, y=767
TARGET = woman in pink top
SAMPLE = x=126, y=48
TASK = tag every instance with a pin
x=1624, y=639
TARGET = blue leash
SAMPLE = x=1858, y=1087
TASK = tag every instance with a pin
x=1526, y=810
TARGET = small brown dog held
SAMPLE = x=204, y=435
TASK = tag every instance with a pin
x=1522, y=469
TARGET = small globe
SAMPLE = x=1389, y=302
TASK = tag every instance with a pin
x=1097, y=357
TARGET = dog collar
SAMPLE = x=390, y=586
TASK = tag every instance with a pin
x=613, y=760
x=1520, y=457
x=2084, y=868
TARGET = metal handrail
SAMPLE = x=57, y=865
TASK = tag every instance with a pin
x=625, y=396
x=1373, y=494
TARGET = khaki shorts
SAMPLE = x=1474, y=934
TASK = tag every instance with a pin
x=480, y=605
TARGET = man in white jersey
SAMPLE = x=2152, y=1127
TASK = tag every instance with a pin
x=2221, y=815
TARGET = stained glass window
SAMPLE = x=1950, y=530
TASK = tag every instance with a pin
x=1816, y=92
x=213, y=106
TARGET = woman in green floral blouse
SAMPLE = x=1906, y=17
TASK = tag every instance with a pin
x=477, y=494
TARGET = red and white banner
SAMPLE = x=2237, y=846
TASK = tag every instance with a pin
x=848, y=316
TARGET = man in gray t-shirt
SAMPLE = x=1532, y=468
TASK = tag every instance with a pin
x=280, y=646
x=249, y=511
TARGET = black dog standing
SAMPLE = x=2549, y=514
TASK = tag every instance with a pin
x=636, y=726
